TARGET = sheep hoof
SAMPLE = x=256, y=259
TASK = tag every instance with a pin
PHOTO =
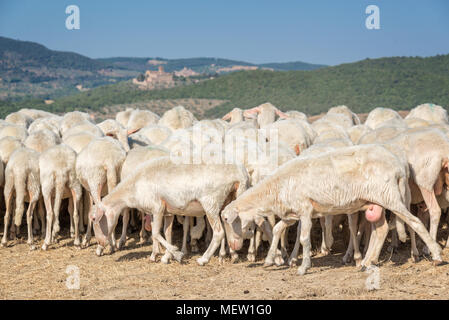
x=302, y=271
x=153, y=258
x=347, y=258
x=279, y=261
x=99, y=251
x=251, y=257
x=292, y=262
x=358, y=262
x=32, y=247
x=201, y=261
x=178, y=255
x=76, y=243
x=268, y=263
x=44, y=247
x=165, y=259
x=3, y=243
x=415, y=258
x=234, y=257
x=437, y=262
x=120, y=245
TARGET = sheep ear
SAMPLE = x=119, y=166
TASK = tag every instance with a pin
x=281, y=114
x=249, y=112
x=227, y=116
x=132, y=131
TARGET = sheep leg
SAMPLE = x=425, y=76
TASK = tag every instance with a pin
x=88, y=235
x=157, y=237
x=213, y=215
x=8, y=204
x=306, y=227
x=197, y=231
x=251, y=256
x=29, y=216
x=324, y=249
x=193, y=241
x=419, y=228
x=56, y=208
x=70, y=209
x=76, y=218
x=209, y=233
x=185, y=233
x=294, y=255
x=168, y=226
x=19, y=185
x=414, y=249
x=284, y=235
x=49, y=209
x=272, y=253
x=257, y=241
x=354, y=244
x=42, y=215
x=222, y=253
x=125, y=220
x=142, y=233
x=328, y=224
x=379, y=234
x=434, y=210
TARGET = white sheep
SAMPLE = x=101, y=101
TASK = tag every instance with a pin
x=429, y=112
x=343, y=181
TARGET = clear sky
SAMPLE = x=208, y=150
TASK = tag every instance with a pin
x=319, y=31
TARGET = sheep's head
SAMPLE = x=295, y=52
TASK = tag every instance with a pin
x=238, y=224
x=100, y=219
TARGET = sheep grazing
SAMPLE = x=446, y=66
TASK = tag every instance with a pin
x=416, y=122
x=35, y=113
x=427, y=152
x=41, y=140
x=139, y=119
x=293, y=114
x=21, y=181
x=99, y=165
x=19, y=119
x=156, y=134
x=51, y=123
x=343, y=181
x=78, y=141
x=122, y=117
x=114, y=129
x=356, y=132
x=177, y=118
x=155, y=188
x=72, y=119
x=83, y=127
x=13, y=130
x=291, y=132
x=345, y=111
x=266, y=114
x=134, y=158
x=7, y=146
x=379, y=116
x=58, y=180
x=429, y=112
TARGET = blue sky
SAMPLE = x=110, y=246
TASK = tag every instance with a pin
x=319, y=31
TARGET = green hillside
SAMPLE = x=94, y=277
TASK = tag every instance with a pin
x=398, y=83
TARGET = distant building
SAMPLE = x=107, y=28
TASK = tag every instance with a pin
x=156, y=79
x=186, y=72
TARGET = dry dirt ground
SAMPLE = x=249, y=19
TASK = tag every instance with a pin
x=128, y=274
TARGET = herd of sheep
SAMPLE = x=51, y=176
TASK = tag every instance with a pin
x=250, y=175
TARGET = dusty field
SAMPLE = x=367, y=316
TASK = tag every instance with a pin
x=128, y=274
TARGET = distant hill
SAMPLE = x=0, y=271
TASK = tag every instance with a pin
x=200, y=65
x=400, y=83
x=28, y=68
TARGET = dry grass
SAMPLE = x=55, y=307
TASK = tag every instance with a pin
x=128, y=274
